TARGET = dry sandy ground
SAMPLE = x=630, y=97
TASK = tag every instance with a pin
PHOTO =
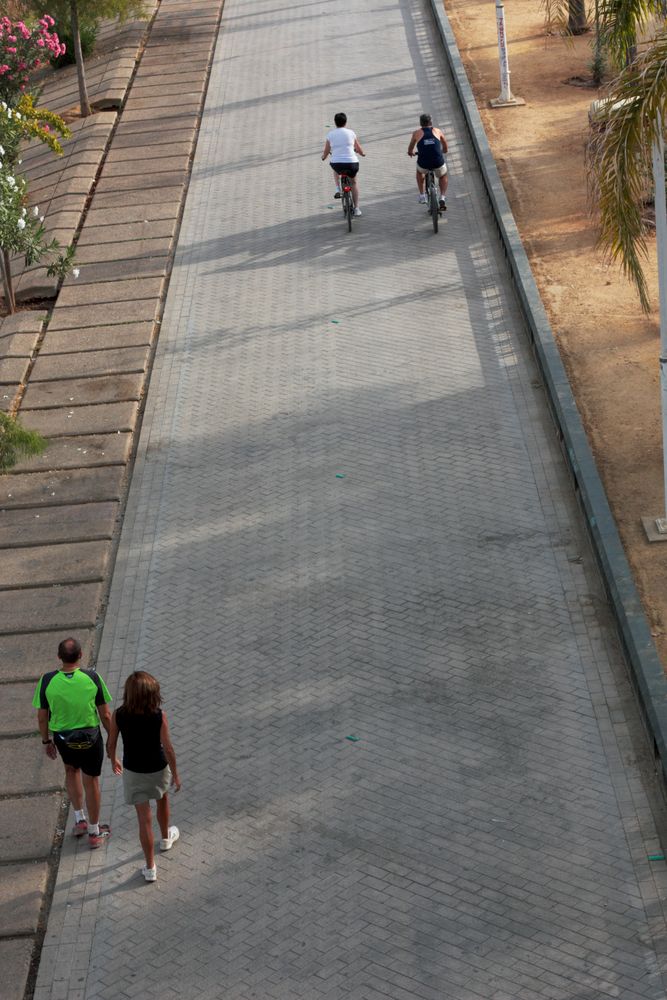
x=610, y=349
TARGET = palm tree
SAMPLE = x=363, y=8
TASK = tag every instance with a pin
x=620, y=156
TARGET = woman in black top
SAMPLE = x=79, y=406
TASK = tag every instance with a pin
x=149, y=762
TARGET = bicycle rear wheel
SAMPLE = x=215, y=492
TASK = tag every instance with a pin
x=349, y=210
x=434, y=206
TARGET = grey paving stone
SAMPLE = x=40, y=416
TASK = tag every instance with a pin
x=80, y=452
x=50, y=608
x=97, y=338
x=117, y=169
x=50, y=525
x=24, y=767
x=27, y=825
x=141, y=179
x=117, y=154
x=16, y=716
x=145, y=229
x=13, y=370
x=88, y=363
x=423, y=601
x=58, y=487
x=21, y=888
x=127, y=291
x=74, y=317
x=105, y=418
x=84, y=391
x=18, y=345
x=27, y=657
x=44, y=564
x=114, y=262
x=15, y=957
x=22, y=322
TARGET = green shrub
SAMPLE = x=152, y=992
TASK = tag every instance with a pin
x=16, y=442
x=88, y=35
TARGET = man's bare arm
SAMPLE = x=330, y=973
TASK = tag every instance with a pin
x=413, y=141
x=326, y=150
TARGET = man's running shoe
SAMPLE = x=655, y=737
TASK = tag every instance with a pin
x=357, y=211
x=443, y=205
x=97, y=839
x=150, y=874
x=422, y=199
x=80, y=828
x=337, y=194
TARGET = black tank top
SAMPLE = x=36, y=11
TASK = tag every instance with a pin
x=429, y=150
x=142, y=750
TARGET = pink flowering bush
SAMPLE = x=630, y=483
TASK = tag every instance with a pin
x=24, y=48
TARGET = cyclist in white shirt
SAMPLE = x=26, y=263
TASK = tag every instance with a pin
x=342, y=145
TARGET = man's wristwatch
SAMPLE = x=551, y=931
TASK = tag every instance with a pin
x=46, y=742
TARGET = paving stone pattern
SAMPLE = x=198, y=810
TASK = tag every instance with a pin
x=410, y=755
x=86, y=376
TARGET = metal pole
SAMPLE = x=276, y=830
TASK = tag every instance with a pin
x=505, y=99
x=661, y=241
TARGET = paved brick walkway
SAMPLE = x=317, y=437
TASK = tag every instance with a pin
x=349, y=518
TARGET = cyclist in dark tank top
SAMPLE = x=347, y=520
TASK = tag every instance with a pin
x=431, y=148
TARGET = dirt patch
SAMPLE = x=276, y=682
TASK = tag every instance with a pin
x=609, y=348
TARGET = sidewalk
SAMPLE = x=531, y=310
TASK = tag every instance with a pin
x=348, y=517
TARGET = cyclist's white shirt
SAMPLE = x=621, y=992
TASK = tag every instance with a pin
x=342, y=141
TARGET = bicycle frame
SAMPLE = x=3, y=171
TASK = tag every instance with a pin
x=346, y=199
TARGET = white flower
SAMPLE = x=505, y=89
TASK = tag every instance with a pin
x=18, y=116
x=76, y=272
x=35, y=212
x=41, y=218
x=21, y=223
x=2, y=150
x=23, y=212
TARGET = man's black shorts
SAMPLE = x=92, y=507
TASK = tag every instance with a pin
x=349, y=169
x=89, y=761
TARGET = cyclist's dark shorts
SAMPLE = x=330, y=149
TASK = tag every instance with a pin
x=349, y=169
x=89, y=761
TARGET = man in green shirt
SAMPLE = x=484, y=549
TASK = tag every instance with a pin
x=71, y=703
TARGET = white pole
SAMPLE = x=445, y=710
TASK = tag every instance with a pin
x=505, y=99
x=505, y=92
x=661, y=241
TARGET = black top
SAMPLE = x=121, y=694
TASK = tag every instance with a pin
x=142, y=750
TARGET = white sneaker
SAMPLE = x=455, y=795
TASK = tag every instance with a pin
x=357, y=211
x=173, y=834
x=422, y=199
x=150, y=874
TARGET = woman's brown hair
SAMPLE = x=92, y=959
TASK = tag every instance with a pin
x=141, y=694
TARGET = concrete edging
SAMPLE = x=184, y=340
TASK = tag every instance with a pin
x=647, y=673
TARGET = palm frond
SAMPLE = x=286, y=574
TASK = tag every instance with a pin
x=620, y=159
x=621, y=21
x=556, y=15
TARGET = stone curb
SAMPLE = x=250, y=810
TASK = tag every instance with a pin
x=646, y=671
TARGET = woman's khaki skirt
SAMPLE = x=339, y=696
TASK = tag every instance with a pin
x=140, y=788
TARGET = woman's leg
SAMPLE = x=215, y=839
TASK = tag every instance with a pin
x=145, y=818
x=163, y=815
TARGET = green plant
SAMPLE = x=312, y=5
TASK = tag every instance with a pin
x=23, y=231
x=75, y=17
x=88, y=34
x=17, y=442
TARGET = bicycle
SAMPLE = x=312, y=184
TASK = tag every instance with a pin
x=433, y=199
x=346, y=200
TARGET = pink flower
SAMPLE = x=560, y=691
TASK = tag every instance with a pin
x=9, y=49
x=4, y=69
x=40, y=42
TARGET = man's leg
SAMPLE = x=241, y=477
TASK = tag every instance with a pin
x=93, y=798
x=355, y=191
x=443, y=182
x=74, y=786
x=421, y=180
x=145, y=817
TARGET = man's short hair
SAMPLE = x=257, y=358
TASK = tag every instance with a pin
x=340, y=119
x=69, y=651
x=425, y=120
